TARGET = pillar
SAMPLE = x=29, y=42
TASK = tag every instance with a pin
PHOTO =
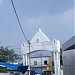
x=55, y=64
x=24, y=60
x=58, y=62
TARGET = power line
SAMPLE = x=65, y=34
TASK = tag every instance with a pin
x=21, y=25
x=22, y=31
x=19, y=21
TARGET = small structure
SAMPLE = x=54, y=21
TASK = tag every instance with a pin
x=41, y=62
x=69, y=57
x=13, y=67
x=41, y=42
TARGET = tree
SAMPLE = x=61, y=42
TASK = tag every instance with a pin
x=8, y=55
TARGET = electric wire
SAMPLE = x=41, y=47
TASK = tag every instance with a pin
x=20, y=24
x=19, y=21
x=33, y=49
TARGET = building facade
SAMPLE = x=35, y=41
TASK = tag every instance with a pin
x=44, y=63
x=69, y=57
x=41, y=42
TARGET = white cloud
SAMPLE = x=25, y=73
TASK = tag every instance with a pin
x=34, y=20
x=63, y=20
x=67, y=17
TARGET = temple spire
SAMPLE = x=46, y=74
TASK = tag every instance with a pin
x=39, y=30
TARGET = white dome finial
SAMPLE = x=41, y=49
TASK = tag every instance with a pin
x=39, y=30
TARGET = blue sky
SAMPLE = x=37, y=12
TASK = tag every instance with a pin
x=54, y=17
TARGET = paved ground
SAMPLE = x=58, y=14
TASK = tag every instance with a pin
x=61, y=72
x=4, y=74
x=8, y=73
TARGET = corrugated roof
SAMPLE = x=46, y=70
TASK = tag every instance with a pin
x=69, y=43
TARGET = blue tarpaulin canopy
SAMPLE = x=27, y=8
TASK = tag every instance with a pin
x=14, y=67
x=38, y=71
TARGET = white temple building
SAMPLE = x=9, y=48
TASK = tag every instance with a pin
x=39, y=37
x=40, y=42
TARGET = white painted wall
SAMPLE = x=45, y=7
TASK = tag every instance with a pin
x=41, y=42
x=39, y=61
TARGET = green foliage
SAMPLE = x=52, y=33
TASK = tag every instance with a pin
x=8, y=55
x=3, y=69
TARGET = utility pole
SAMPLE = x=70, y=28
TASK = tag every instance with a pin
x=29, y=56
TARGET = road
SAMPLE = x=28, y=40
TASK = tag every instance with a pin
x=61, y=73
